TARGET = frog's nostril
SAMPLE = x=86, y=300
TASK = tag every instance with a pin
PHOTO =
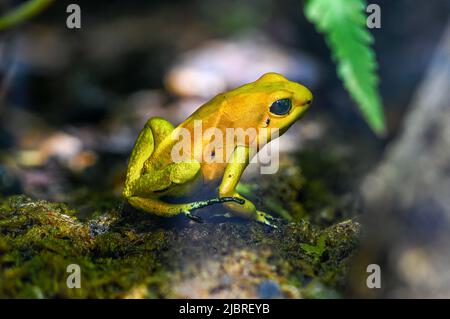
x=308, y=102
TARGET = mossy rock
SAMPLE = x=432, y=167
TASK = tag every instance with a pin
x=124, y=253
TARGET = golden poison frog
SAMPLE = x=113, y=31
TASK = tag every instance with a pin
x=174, y=170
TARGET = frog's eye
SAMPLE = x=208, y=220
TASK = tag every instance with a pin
x=281, y=107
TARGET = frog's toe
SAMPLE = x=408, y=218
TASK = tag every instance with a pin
x=265, y=218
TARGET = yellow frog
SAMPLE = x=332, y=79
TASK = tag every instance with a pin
x=158, y=183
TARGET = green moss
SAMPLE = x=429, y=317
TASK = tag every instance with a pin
x=316, y=250
x=38, y=240
x=312, y=187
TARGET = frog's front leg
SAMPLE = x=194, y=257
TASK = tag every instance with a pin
x=231, y=177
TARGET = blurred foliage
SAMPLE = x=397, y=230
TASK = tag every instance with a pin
x=343, y=23
x=23, y=12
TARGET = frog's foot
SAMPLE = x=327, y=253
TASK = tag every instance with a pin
x=265, y=218
x=204, y=203
x=213, y=201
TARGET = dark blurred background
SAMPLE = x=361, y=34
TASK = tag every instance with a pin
x=73, y=101
x=81, y=95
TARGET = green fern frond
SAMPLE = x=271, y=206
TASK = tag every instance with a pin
x=343, y=23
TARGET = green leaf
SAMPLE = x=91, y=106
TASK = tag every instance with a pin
x=343, y=22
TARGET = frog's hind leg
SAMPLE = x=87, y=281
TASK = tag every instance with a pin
x=157, y=181
x=154, y=131
x=140, y=188
x=144, y=189
x=160, y=208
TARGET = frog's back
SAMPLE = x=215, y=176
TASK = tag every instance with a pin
x=183, y=137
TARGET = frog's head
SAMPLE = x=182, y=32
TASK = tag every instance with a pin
x=271, y=102
x=284, y=101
